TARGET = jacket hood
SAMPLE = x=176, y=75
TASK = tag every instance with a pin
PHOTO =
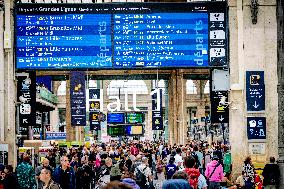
x=192, y=172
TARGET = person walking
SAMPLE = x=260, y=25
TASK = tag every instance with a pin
x=171, y=168
x=10, y=180
x=195, y=178
x=45, y=164
x=26, y=175
x=214, y=172
x=143, y=174
x=45, y=177
x=271, y=175
x=65, y=175
x=249, y=173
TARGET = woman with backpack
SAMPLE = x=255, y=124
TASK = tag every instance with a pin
x=214, y=173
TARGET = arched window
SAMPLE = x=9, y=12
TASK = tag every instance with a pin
x=190, y=87
x=118, y=87
x=207, y=88
x=62, y=88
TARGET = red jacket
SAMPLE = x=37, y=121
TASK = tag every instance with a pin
x=193, y=175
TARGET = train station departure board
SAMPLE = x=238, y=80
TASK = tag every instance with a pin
x=120, y=35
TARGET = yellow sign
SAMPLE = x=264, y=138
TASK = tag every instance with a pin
x=137, y=130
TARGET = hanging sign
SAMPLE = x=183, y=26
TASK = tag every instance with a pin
x=26, y=95
x=78, y=98
x=219, y=107
x=94, y=121
x=157, y=110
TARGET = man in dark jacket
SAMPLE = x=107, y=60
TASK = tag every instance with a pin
x=271, y=174
x=65, y=175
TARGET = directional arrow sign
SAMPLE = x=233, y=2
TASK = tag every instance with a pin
x=221, y=118
x=255, y=105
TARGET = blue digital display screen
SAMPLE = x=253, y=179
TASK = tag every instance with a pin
x=118, y=36
x=161, y=40
x=115, y=118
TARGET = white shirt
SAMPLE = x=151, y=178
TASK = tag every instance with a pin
x=201, y=182
x=147, y=171
x=178, y=160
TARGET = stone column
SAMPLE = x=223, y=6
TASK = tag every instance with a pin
x=70, y=131
x=280, y=67
x=177, y=122
x=181, y=108
x=10, y=95
x=173, y=135
x=54, y=115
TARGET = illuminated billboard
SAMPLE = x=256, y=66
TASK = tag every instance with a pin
x=120, y=35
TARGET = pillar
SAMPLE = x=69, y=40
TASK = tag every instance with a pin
x=177, y=124
x=181, y=108
x=54, y=115
x=70, y=131
x=10, y=132
x=280, y=61
x=2, y=84
x=173, y=136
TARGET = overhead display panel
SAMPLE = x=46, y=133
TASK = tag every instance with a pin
x=120, y=36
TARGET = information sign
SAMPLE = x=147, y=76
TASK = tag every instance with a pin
x=157, y=110
x=256, y=127
x=115, y=118
x=78, y=98
x=219, y=107
x=255, y=91
x=26, y=95
x=117, y=130
x=124, y=35
x=133, y=130
x=94, y=121
x=137, y=117
x=55, y=136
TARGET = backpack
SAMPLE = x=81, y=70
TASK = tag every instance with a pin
x=141, y=178
x=227, y=162
x=195, y=156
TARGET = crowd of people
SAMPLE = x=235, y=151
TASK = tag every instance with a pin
x=138, y=165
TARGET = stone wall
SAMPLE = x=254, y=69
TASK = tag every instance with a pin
x=252, y=48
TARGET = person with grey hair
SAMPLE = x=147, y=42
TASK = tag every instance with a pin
x=142, y=172
x=65, y=175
